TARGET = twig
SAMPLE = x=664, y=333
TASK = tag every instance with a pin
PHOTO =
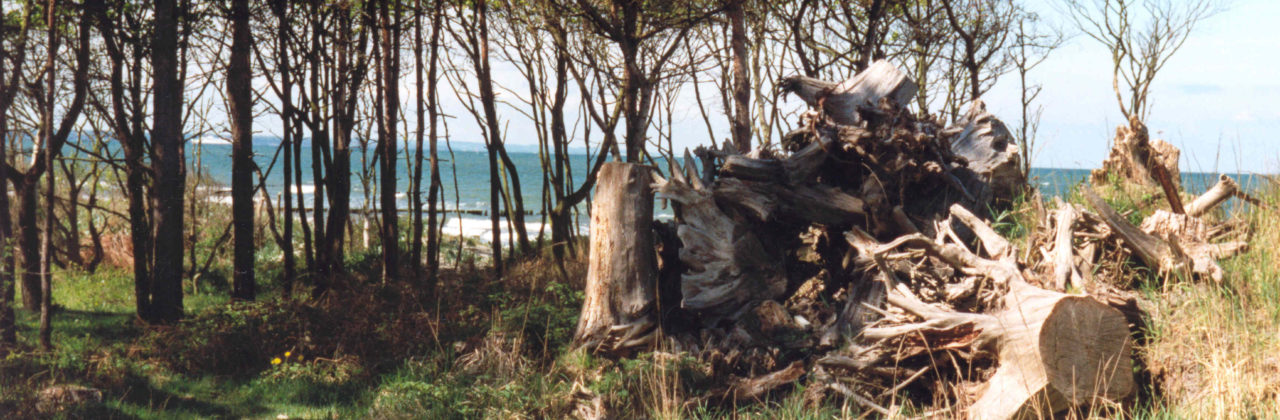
x=866, y=402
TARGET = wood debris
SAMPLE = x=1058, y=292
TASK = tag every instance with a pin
x=858, y=261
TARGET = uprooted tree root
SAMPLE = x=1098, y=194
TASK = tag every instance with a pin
x=855, y=266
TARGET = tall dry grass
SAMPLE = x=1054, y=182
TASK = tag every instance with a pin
x=1215, y=348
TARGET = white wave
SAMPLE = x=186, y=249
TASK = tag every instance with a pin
x=482, y=229
x=203, y=140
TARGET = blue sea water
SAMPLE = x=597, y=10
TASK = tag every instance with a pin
x=465, y=174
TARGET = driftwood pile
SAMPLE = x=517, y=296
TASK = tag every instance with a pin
x=857, y=262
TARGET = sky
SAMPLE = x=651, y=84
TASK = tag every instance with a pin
x=1217, y=99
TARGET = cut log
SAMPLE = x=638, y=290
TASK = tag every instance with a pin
x=619, y=310
x=1055, y=351
x=841, y=102
x=993, y=157
x=1157, y=253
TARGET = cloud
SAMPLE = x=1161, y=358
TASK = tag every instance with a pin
x=1244, y=116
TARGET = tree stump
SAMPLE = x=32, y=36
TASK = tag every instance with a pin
x=619, y=313
x=1135, y=157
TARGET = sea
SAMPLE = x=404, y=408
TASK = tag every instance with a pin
x=465, y=174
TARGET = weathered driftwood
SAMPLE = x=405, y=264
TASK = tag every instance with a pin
x=726, y=266
x=992, y=155
x=619, y=309
x=1065, y=272
x=1157, y=253
x=1224, y=189
x=841, y=102
x=1193, y=234
x=1134, y=155
x=1055, y=351
x=744, y=390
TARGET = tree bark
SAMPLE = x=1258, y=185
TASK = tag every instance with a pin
x=619, y=314
x=433, y=194
x=240, y=94
x=25, y=193
x=741, y=121
x=279, y=8
x=494, y=139
x=415, y=194
x=166, y=149
x=9, y=74
x=389, y=29
x=46, y=240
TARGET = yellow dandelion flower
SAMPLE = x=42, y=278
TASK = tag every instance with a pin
x=286, y=354
x=276, y=361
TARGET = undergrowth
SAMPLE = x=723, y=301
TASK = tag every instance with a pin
x=485, y=348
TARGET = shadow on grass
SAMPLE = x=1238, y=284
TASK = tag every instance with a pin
x=138, y=392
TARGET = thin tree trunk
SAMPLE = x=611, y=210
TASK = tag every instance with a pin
x=28, y=242
x=166, y=146
x=279, y=9
x=46, y=242
x=389, y=31
x=8, y=330
x=239, y=92
x=433, y=196
x=415, y=241
x=741, y=121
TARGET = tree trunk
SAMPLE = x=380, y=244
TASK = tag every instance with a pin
x=8, y=330
x=494, y=139
x=279, y=8
x=239, y=92
x=29, y=243
x=741, y=120
x=390, y=67
x=619, y=314
x=10, y=77
x=166, y=146
x=433, y=196
x=415, y=194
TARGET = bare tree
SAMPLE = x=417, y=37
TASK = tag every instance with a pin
x=1030, y=49
x=1142, y=37
x=982, y=29
x=647, y=36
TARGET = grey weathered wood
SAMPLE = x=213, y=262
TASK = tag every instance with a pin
x=619, y=310
x=992, y=155
x=1155, y=252
x=1134, y=154
x=1055, y=350
x=1221, y=191
x=841, y=101
x=1064, y=267
x=726, y=265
